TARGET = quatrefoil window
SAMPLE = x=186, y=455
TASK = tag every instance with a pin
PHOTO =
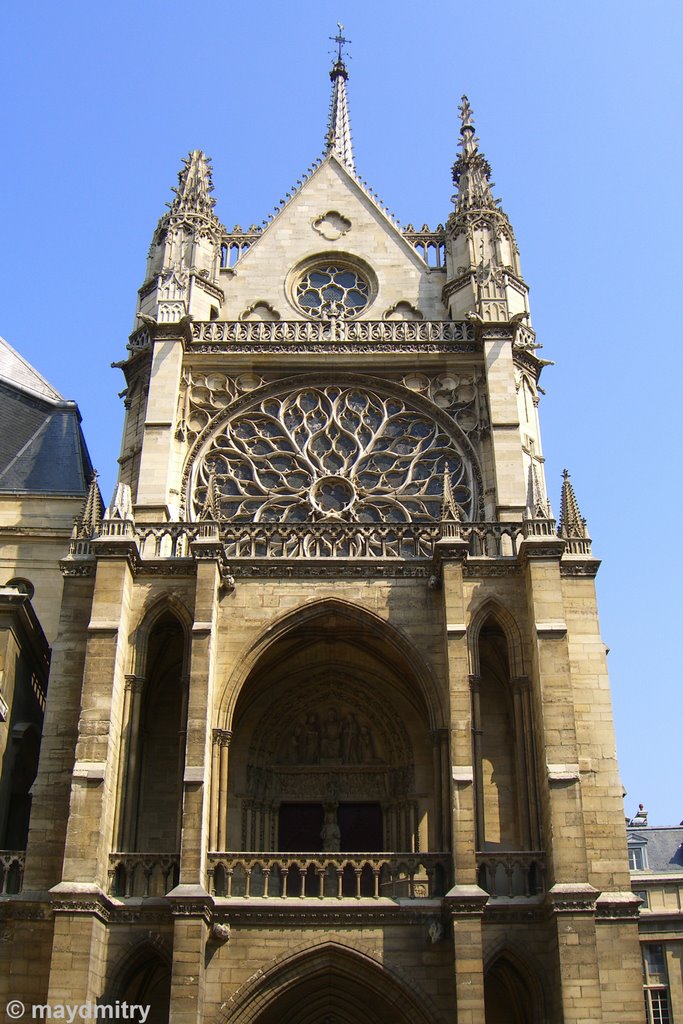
x=332, y=290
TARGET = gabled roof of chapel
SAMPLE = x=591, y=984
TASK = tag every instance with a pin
x=42, y=448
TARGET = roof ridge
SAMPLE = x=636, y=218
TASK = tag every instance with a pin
x=11, y=360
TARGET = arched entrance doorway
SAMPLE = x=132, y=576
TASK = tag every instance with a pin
x=332, y=744
x=331, y=985
x=511, y=995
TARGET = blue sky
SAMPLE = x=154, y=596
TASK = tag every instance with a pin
x=578, y=108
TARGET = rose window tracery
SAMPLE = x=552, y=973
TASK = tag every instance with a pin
x=331, y=453
x=332, y=291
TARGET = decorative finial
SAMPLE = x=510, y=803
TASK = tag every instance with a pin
x=466, y=114
x=450, y=510
x=537, y=505
x=572, y=526
x=211, y=509
x=88, y=523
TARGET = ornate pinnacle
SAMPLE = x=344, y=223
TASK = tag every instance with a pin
x=471, y=170
x=211, y=509
x=450, y=510
x=121, y=504
x=537, y=506
x=87, y=523
x=195, y=185
x=572, y=525
x=465, y=111
x=338, y=138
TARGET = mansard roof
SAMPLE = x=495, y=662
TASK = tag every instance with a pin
x=42, y=448
x=664, y=846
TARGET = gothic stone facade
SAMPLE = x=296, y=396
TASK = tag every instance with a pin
x=329, y=734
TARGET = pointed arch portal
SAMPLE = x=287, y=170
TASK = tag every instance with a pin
x=332, y=985
x=332, y=731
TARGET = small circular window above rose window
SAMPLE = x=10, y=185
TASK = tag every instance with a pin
x=332, y=290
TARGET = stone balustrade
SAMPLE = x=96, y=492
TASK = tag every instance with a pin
x=322, y=540
x=511, y=873
x=329, y=875
x=143, y=874
x=11, y=871
x=355, y=332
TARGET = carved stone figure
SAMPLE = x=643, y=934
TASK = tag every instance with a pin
x=311, y=747
x=331, y=833
x=330, y=742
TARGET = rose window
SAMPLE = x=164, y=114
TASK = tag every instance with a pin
x=332, y=453
x=329, y=291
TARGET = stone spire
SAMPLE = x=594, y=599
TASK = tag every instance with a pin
x=186, y=244
x=88, y=522
x=193, y=195
x=537, y=505
x=572, y=525
x=211, y=509
x=483, y=263
x=450, y=510
x=338, y=139
x=471, y=170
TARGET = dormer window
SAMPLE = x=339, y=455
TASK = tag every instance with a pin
x=637, y=855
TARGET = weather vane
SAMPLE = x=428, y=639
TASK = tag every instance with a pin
x=340, y=39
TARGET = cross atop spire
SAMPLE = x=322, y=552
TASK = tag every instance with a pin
x=338, y=139
x=471, y=170
x=340, y=39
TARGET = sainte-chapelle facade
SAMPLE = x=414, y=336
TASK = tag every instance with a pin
x=326, y=736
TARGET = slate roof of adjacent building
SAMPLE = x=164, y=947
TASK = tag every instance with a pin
x=664, y=847
x=42, y=448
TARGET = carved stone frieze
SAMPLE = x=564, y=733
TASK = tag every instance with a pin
x=338, y=570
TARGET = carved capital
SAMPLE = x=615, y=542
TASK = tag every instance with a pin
x=520, y=683
x=133, y=683
x=222, y=737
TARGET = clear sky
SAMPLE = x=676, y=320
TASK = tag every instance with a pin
x=578, y=108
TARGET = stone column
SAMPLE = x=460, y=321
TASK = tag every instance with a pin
x=197, y=803
x=506, y=437
x=461, y=768
x=555, y=725
x=79, y=950
x=157, y=475
x=191, y=932
x=52, y=788
x=219, y=787
x=466, y=905
x=90, y=828
x=129, y=767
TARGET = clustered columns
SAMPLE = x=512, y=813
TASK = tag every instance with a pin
x=218, y=824
x=130, y=761
x=442, y=773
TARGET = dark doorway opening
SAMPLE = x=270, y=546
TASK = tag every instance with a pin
x=361, y=828
x=300, y=827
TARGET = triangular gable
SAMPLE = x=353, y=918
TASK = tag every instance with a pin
x=332, y=212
